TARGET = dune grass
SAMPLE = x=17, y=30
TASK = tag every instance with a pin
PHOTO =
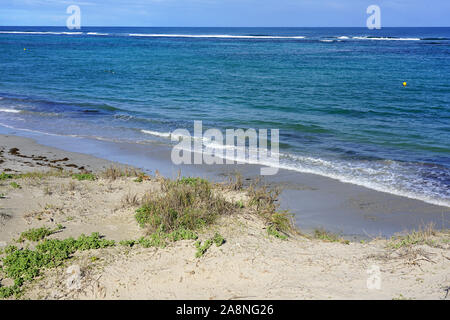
x=114, y=172
x=187, y=203
x=264, y=203
x=193, y=203
x=426, y=235
x=327, y=236
x=84, y=176
x=35, y=174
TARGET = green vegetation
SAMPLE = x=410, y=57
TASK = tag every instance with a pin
x=188, y=204
x=272, y=231
x=15, y=185
x=6, y=292
x=156, y=239
x=9, y=249
x=37, y=234
x=218, y=240
x=324, y=235
x=35, y=175
x=264, y=203
x=25, y=264
x=201, y=249
x=43, y=174
x=424, y=236
x=141, y=177
x=235, y=182
x=114, y=173
x=192, y=181
x=159, y=238
x=182, y=234
x=84, y=176
x=127, y=243
x=240, y=204
x=6, y=176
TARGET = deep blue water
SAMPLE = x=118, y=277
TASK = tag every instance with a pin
x=336, y=94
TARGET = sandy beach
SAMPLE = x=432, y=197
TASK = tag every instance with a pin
x=250, y=264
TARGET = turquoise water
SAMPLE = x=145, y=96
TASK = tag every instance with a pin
x=336, y=94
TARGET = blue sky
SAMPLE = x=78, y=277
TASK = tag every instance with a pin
x=216, y=13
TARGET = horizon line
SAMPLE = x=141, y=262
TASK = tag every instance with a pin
x=98, y=26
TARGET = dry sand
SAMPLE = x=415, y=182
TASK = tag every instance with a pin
x=250, y=265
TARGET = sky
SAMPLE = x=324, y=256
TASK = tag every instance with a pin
x=226, y=13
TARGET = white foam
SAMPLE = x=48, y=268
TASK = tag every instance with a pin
x=343, y=37
x=224, y=36
x=386, y=39
x=70, y=33
x=97, y=34
x=364, y=179
x=41, y=32
x=375, y=185
x=158, y=134
x=326, y=40
x=170, y=135
x=10, y=110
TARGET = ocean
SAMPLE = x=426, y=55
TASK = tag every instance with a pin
x=335, y=94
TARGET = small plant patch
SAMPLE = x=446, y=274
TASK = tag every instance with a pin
x=201, y=249
x=218, y=240
x=37, y=234
x=6, y=176
x=25, y=264
x=84, y=176
x=15, y=185
x=272, y=230
x=324, y=235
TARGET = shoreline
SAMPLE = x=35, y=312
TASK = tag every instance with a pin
x=318, y=202
x=251, y=263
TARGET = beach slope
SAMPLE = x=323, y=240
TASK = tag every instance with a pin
x=251, y=263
